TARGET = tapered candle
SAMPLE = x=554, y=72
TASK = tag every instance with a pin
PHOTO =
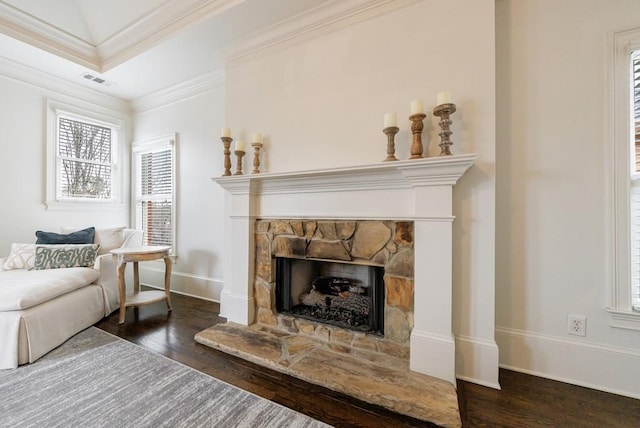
x=226, y=132
x=390, y=119
x=444, y=97
x=240, y=146
x=417, y=107
x=257, y=138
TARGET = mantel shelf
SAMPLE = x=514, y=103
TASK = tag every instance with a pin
x=434, y=171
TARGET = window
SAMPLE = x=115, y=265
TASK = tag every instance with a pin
x=625, y=299
x=154, y=180
x=634, y=138
x=82, y=157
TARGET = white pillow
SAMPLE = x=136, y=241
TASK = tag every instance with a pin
x=22, y=257
x=108, y=238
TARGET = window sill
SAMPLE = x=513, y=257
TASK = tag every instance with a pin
x=84, y=206
x=629, y=320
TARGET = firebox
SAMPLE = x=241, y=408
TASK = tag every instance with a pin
x=346, y=295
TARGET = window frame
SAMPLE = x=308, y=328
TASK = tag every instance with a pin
x=622, y=314
x=149, y=145
x=54, y=200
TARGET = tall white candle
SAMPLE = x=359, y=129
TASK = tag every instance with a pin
x=257, y=138
x=444, y=97
x=390, y=119
x=226, y=132
x=417, y=107
x=240, y=146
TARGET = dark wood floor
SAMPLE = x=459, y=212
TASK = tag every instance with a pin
x=524, y=401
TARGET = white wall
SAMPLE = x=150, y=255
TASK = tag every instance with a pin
x=23, y=159
x=321, y=101
x=196, y=117
x=553, y=231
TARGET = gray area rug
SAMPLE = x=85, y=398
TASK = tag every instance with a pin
x=99, y=380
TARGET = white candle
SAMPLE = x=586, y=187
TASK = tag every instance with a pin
x=240, y=146
x=390, y=119
x=257, y=138
x=226, y=132
x=417, y=107
x=444, y=97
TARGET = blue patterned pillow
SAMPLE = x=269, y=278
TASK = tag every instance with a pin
x=65, y=256
x=84, y=236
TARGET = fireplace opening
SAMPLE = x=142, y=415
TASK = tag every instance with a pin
x=342, y=294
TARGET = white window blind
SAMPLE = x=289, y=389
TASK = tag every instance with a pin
x=635, y=180
x=84, y=159
x=155, y=191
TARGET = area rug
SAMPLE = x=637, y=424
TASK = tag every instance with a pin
x=99, y=380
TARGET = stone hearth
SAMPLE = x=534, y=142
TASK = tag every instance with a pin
x=372, y=377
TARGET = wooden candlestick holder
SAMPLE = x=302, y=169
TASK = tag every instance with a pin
x=416, y=129
x=391, y=132
x=226, y=141
x=239, y=154
x=256, y=157
x=444, y=111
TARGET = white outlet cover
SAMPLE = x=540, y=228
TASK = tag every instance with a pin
x=577, y=325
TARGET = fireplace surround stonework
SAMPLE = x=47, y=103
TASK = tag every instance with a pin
x=417, y=191
x=383, y=243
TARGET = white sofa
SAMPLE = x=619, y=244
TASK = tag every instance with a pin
x=40, y=309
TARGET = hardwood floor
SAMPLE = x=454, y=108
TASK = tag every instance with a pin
x=524, y=401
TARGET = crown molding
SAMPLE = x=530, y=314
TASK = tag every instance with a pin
x=179, y=92
x=29, y=76
x=158, y=26
x=28, y=29
x=145, y=33
x=328, y=17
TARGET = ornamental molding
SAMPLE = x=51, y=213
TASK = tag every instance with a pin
x=324, y=19
x=177, y=93
x=138, y=37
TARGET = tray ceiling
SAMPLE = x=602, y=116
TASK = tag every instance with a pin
x=140, y=46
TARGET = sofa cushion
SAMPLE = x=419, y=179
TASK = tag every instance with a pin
x=21, y=257
x=65, y=256
x=84, y=236
x=22, y=289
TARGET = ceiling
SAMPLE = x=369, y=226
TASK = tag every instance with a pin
x=138, y=47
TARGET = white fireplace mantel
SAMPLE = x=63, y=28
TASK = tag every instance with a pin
x=414, y=190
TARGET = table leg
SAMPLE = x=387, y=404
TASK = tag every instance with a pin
x=122, y=291
x=167, y=280
x=136, y=278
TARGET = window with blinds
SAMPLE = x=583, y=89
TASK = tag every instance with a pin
x=154, y=172
x=635, y=180
x=85, y=153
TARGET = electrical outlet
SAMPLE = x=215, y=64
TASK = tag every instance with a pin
x=577, y=325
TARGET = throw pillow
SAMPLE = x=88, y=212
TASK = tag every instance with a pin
x=84, y=236
x=21, y=257
x=65, y=256
x=108, y=238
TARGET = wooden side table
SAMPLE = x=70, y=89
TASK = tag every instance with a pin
x=138, y=298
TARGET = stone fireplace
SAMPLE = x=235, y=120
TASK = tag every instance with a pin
x=321, y=215
x=362, y=252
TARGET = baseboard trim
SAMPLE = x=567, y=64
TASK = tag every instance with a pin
x=436, y=355
x=477, y=361
x=202, y=287
x=591, y=365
